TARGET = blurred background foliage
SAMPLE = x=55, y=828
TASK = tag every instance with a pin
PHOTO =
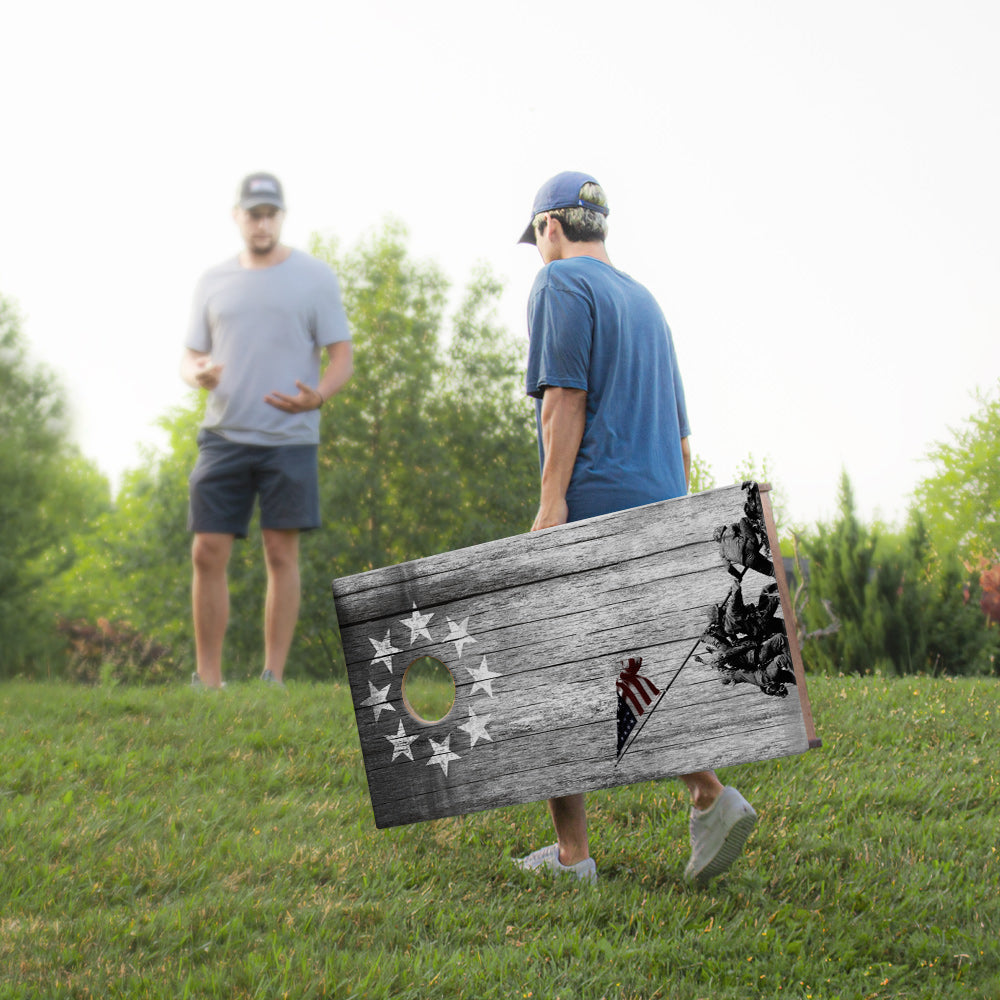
x=431, y=447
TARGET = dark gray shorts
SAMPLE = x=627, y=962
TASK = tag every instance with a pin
x=228, y=477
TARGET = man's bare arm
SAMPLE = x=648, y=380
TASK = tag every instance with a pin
x=338, y=370
x=564, y=417
x=340, y=367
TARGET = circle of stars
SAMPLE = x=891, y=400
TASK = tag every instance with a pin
x=474, y=727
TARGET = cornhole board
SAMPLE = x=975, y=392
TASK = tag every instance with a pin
x=644, y=644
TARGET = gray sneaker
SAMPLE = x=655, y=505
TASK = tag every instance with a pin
x=196, y=682
x=718, y=835
x=268, y=678
x=547, y=858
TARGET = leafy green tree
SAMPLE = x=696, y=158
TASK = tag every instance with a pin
x=901, y=607
x=487, y=423
x=49, y=494
x=961, y=500
x=379, y=454
x=133, y=567
x=702, y=477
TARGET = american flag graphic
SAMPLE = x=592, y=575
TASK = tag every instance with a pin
x=635, y=693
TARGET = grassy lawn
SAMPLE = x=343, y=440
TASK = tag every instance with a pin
x=171, y=843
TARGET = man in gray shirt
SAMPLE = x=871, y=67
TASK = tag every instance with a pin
x=259, y=324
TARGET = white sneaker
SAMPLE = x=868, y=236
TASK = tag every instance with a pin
x=196, y=682
x=548, y=858
x=718, y=835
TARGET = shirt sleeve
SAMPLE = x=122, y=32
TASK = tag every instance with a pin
x=199, y=332
x=560, y=325
x=682, y=417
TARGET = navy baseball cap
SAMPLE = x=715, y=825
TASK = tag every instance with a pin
x=261, y=189
x=561, y=191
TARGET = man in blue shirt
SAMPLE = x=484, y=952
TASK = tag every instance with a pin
x=612, y=434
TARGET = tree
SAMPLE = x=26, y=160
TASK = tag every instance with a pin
x=901, y=606
x=961, y=500
x=702, y=477
x=133, y=566
x=488, y=424
x=378, y=454
x=49, y=492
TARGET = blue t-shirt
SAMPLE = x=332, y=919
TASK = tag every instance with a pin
x=592, y=327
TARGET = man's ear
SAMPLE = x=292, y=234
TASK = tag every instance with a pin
x=553, y=230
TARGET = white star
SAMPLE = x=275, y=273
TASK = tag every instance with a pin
x=377, y=702
x=442, y=754
x=459, y=634
x=383, y=651
x=476, y=728
x=401, y=743
x=417, y=624
x=483, y=678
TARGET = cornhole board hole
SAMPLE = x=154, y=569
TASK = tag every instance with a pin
x=638, y=645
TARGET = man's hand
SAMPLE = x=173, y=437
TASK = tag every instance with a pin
x=549, y=515
x=205, y=373
x=306, y=399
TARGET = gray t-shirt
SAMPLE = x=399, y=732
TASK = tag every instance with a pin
x=266, y=327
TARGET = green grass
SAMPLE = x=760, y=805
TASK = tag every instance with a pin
x=171, y=843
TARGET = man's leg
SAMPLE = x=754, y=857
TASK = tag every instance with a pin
x=210, y=602
x=569, y=817
x=569, y=814
x=704, y=787
x=570, y=855
x=281, y=612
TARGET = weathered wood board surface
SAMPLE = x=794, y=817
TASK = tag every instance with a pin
x=538, y=632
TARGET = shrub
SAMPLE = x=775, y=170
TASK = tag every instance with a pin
x=115, y=652
x=901, y=604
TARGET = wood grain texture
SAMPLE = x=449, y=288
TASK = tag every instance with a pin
x=534, y=630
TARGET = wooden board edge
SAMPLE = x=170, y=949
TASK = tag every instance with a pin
x=385, y=818
x=788, y=611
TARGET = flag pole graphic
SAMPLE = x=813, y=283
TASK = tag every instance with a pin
x=652, y=709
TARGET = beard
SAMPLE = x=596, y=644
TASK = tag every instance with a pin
x=264, y=248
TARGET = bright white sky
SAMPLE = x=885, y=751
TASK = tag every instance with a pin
x=811, y=190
